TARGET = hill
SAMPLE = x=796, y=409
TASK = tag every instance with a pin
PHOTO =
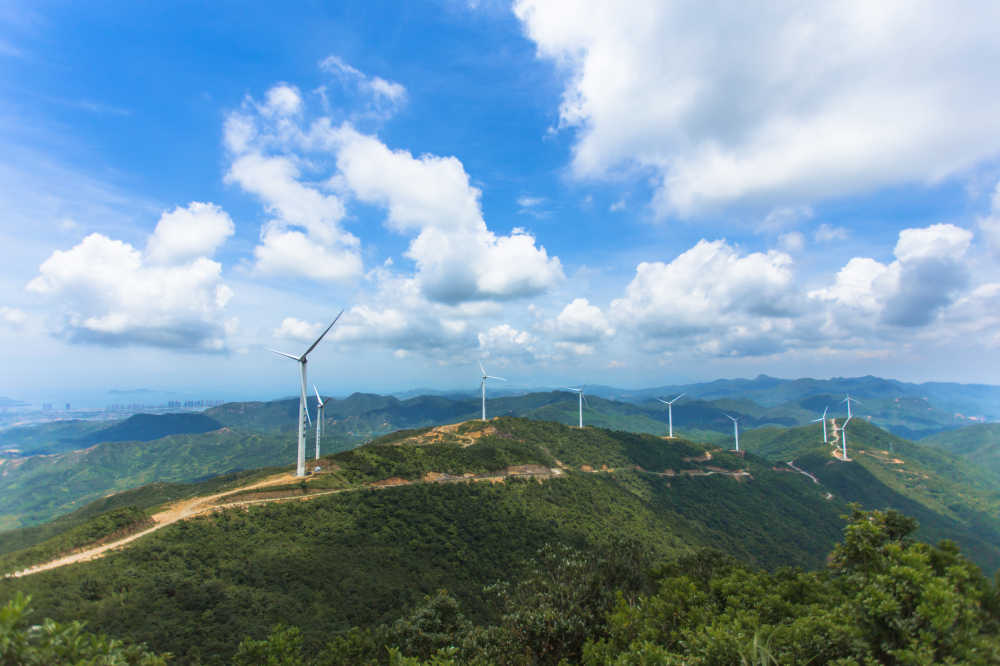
x=463, y=506
x=36, y=489
x=978, y=444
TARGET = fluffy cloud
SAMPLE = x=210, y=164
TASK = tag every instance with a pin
x=296, y=329
x=109, y=295
x=709, y=289
x=506, y=341
x=305, y=237
x=187, y=233
x=458, y=259
x=581, y=322
x=12, y=317
x=740, y=103
x=928, y=275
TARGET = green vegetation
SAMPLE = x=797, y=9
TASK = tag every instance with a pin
x=54, y=643
x=977, y=444
x=147, y=427
x=146, y=498
x=602, y=566
x=33, y=490
x=107, y=526
x=882, y=599
x=54, y=437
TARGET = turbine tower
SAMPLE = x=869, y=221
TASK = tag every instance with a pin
x=482, y=386
x=320, y=404
x=300, y=461
x=578, y=391
x=736, y=430
x=843, y=438
x=823, y=419
x=670, y=414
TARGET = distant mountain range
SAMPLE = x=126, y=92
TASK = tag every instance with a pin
x=85, y=459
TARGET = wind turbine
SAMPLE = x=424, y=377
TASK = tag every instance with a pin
x=578, y=391
x=320, y=404
x=482, y=386
x=849, y=400
x=736, y=430
x=823, y=419
x=670, y=414
x=300, y=461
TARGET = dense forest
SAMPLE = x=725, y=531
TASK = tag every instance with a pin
x=883, y=598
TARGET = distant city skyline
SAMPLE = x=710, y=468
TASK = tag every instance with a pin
x=565, y=193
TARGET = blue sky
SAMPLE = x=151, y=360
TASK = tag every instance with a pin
x=632, y=195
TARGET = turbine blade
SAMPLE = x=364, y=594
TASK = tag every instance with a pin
x=663, y=401
x=492, y=377
x=281, y=353
x=319, y=400
x=482, y=368
x=322, y=335
x=678, y=397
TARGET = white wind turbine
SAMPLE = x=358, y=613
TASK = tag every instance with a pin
x=823, y=419
x=736, y=430
x=482, y=386
x=670, y=414
x=300, y=461
x=848, y=399
x=578, y=391
x=320, y=404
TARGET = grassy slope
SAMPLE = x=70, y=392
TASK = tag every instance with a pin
x=978, y=444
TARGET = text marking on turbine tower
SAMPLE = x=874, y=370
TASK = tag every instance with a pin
x=300, y=461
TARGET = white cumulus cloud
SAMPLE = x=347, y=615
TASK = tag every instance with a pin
x=742, y=102
x=457, y=257
x=929, y=274
x=107, y=294
x=725, y=302
x=184, y=234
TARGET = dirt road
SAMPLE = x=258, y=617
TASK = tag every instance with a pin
x=177, y=511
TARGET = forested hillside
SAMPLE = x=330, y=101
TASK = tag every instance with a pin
x=426, y=509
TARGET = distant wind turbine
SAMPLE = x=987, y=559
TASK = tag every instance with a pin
x=670, y=414
x=320, y=404
x=300, y=462
x=736, y=430
x=823, y=419
x=482, y=386
x=848, y=399
x=578, y=391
